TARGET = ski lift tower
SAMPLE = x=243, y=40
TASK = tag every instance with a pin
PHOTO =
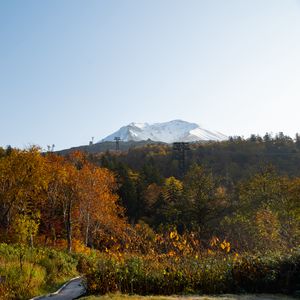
x=180, y=149
x=117, y=139
x=91, y=143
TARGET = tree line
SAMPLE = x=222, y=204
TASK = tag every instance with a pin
x=242, y=191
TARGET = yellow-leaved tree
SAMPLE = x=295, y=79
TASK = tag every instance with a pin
x=23, y=183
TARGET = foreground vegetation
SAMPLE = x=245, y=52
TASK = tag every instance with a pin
x=27, y=272
x=30, y=272
x=224, y=297
x=136, y=231
x=213, y=273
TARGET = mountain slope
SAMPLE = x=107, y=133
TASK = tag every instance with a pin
x=167, y=132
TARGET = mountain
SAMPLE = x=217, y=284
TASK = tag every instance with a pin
x=167, y=132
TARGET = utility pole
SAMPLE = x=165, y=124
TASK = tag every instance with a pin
x=180, y=149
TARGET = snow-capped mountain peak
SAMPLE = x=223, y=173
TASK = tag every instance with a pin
x=168, y=132
x=139, y=125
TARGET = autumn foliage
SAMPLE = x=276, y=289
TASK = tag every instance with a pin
x=56, y=200
x=136, y=231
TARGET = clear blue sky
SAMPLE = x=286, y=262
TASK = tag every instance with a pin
x=70, y=70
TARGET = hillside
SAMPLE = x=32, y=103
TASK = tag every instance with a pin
x=233, y=160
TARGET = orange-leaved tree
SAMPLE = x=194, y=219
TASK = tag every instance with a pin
x=23, y=183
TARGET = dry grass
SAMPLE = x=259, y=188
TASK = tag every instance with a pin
x=223, y=297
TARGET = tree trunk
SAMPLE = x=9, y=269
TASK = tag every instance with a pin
x=69, y=226
x=87, y=229
x=31, y=240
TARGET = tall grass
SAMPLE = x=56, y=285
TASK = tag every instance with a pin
x=27, y=272
x=210, y=274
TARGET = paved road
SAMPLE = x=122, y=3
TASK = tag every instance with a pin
x=72, y=290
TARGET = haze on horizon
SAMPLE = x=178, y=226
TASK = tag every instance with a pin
x=70, y=70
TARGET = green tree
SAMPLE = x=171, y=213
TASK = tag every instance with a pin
x=204, y=202
x=169, y=208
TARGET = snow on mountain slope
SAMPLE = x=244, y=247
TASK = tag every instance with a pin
x=168, y=132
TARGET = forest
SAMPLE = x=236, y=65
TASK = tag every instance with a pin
x=218, y=217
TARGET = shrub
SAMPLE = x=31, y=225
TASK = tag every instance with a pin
x=210, y=274
x=25, y=271
x=58, y=264
x=270, y=273
x=22, y=283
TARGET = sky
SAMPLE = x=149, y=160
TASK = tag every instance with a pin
x=71, y=70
